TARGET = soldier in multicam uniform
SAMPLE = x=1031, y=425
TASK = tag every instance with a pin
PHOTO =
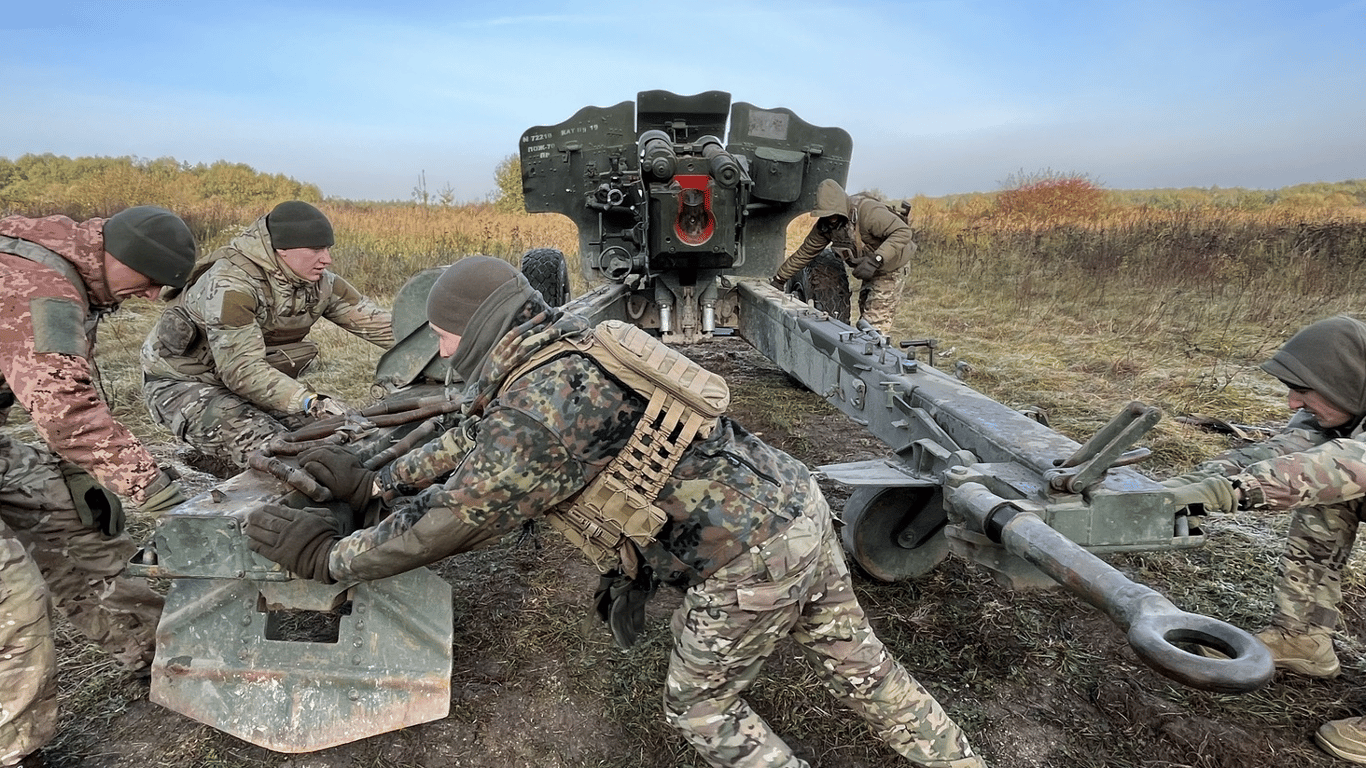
x=747, y=532
x=870, y=237
x=1317, y=468
x=62, y=542
x=221, y=366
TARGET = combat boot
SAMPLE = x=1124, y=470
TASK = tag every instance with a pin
x=1309, y=653
x=1344, y=738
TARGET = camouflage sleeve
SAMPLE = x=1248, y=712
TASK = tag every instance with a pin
x=1325, y=474
x=359, y=314
x=420, y=466
x=228, y=307
x=517, y=469
x=44, y=362
x=1288, y=442
x=810, y=248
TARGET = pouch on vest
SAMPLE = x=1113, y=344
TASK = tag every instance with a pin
x=177, y=333
x=292, y=359
x=96, y=505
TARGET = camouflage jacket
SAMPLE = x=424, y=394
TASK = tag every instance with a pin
x=539, y=442
x=243, y=302
x=47, y=342
x=879, y=228
x=1306, y=465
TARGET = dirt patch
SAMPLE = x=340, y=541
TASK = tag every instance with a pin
x=1038, y=679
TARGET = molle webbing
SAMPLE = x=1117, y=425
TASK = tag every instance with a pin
x=616, y=512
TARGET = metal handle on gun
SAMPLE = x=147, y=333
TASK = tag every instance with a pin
x=1110, y=447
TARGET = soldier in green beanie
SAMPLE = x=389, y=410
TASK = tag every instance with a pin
x=62, y=543
x=222, y=366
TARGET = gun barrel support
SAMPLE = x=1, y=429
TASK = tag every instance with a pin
x=1153, y=623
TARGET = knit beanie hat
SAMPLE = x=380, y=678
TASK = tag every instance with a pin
x=153, y=242
x=459, y=291
x=296, y=224
x=1328, y=357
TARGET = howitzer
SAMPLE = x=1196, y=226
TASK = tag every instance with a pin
x=680, y=231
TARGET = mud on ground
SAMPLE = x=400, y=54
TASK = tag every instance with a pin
x=1037, y=679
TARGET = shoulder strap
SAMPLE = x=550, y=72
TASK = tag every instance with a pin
x=615, y=513
x=27, y=249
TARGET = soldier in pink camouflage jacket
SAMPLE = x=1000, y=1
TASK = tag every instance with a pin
x=61, y=518
x=1317, y=468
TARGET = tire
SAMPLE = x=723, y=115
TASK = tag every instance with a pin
x=546, y=270
x=824, y=285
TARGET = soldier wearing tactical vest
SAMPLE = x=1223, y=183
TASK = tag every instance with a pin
x=871, y=238
x=62, y=542
x=222, y=365
x=618, y=442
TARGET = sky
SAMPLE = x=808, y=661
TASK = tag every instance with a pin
x=368, y=100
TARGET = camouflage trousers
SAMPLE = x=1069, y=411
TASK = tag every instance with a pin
x=796, y=585
x=50, y=559
x=878, y=298
x=1309, y=579
x=213, y=419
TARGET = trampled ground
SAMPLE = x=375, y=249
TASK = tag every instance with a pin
x=1038, y=679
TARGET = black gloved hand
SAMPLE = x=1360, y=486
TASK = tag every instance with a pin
x=779, y=283
x=620, y=601
x=342, y=473
x=299, y=539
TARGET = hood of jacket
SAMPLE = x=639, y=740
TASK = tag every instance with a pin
x=1328, y=357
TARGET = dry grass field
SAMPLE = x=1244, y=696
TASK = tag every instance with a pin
x=1173, y=308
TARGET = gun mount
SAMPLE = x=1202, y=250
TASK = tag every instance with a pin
x=679, y=232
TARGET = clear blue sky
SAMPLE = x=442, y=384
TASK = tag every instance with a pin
x=361, y=98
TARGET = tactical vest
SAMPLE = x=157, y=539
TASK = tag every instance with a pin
x=287, y=351
x=615, y=515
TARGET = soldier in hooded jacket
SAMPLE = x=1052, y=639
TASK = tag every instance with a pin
x=62, y=542
x=1317, y=468
x=222, y=365
x=746, y=530
x=872, y=240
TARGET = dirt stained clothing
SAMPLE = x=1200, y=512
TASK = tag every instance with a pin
x=222, y=365
x=744, y=522
x=49, y=557
x=869, y=231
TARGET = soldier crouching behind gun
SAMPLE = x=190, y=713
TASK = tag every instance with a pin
x=221, y=367
x=740, y=525
x=62, y=542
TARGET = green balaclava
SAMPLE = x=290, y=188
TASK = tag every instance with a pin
x=477, y=298
x=153, y=242
x=1328, y=357
x=296, y=224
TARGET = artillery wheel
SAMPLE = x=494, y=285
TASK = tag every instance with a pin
x=896, y=533
x=547, y=272
x=824, y=285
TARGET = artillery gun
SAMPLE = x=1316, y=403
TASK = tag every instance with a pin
x=679, y=230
